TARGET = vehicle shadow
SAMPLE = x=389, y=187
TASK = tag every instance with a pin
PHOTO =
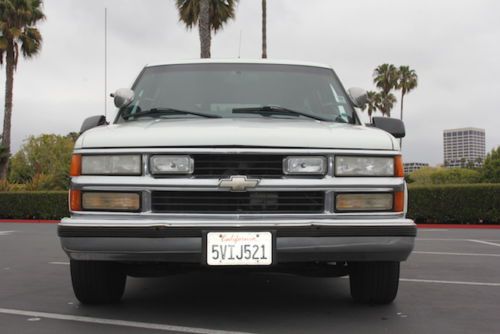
x=252, y=302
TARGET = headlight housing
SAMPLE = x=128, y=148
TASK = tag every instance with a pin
x=313, y=165
x=110, y=201
x=368, y=166
x=349, y=202
x=171, y=164
x=111, y=165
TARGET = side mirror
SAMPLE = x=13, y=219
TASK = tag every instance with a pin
x=358, y=96
x=123, y=97
x=92, y=122
x=394, y=126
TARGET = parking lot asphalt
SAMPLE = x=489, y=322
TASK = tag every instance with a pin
x=450, y=284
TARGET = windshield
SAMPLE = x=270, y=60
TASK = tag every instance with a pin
x=239, y=91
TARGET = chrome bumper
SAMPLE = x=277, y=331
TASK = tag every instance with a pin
x=297, y=240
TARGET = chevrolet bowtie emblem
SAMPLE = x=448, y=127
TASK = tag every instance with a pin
x=238, y=183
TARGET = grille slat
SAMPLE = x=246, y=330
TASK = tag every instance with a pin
x=235, y=202
x=218, y=165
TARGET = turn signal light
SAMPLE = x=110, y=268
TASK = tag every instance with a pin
x=399, y=201
x=398, y=166
x=76, y=165
x=75, y=200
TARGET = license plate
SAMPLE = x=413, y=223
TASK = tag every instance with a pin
x=239, y=248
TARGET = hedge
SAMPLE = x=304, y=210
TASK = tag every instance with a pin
x=464, y=203
x=34, y=205
x=467, y=203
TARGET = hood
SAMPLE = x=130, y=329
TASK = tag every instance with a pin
x=250, y=132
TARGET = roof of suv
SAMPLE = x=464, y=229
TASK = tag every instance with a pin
x=242, y=61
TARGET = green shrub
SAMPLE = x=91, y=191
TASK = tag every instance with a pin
x=472, y=203
x=34, y=205
x=464, y=203
x=439, y=175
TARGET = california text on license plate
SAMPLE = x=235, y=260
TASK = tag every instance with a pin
x=239, y=248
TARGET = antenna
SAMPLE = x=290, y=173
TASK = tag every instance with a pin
x=239, y=46
x=105, y=61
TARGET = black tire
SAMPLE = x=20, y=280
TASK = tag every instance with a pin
x=374, y=282
x=97, y=282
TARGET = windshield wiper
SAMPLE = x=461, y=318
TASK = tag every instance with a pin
x=168, y=111
x=276, y=110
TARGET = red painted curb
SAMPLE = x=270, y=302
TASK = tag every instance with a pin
x=469, y=226
x=29, y=221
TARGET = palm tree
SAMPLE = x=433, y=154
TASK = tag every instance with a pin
x=386, y=103
x=18, y=34
x=264, y=29
x=208, y=15
x=372, y=104
x=407, y=81
x=385, y=77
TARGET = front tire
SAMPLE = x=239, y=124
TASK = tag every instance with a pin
x=97, y=282
x=374, y=282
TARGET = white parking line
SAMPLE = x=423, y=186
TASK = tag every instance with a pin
x=433, y=230
x=114, y=322
x=6, y=232
x=440, y=239
x=63, y=263
x=458, y=254
x=447, y=282
x=485, y=242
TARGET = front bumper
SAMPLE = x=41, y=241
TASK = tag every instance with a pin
x=182, y=241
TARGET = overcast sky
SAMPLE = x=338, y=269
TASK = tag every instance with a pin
x=453, y=45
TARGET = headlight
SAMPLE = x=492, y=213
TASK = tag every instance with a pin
x=367, y=166
x=111, y=165
x=171, y=164
x=364, y=202
x=111, y=201
x=304, y=165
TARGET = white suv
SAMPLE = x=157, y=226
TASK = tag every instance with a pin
x=261, y=165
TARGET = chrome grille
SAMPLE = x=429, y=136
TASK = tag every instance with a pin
x=221, y=165
x=238, y=202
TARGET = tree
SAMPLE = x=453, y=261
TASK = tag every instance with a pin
x=407, y=81
x=386, y=102
x=18, y=34
x=491, y=166
x=264, y=29
x=208, y=15
x=372, y=104
x=385, y=77
x=4, y=155
x=43, y=158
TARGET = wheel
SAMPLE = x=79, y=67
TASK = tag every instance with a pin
x=97, y=282
x=374, y=282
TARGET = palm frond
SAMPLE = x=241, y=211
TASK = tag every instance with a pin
x=221, y=11
x=31, y=42
x=385, y=77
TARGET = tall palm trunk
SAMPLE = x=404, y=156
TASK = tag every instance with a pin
x=204, y=27
x=402, y=98
x=264, y=29
x=7, y=120
x=401, y=117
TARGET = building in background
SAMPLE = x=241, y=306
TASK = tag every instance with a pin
x=410, y=167
x=464, y=147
